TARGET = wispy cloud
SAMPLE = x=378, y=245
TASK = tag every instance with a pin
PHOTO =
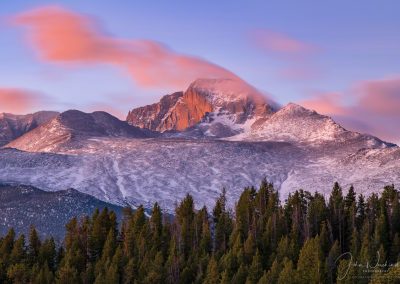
x=62, y=36
x=373, y=108
x=19, y=101
x=282, y=44
x=295, y=54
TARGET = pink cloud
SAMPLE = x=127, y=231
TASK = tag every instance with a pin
x=327, y=103
x=62, y=36
x=375, y=110
x=280, y=43
x=296, y=55
x=299, y=71
x=381, y=97
x=18, y=101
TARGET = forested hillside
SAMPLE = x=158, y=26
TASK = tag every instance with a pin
x=308, y=238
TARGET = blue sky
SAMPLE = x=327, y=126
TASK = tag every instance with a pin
x=353, y=42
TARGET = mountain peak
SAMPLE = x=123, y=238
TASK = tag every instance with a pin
x=294, y=123
x=293, y=107
x=220, y=102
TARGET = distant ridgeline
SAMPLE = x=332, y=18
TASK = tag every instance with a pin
x=22, y=206
x=306, y=239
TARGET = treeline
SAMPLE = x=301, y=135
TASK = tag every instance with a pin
x=306, y=239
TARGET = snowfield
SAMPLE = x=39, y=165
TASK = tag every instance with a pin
x=142, y=171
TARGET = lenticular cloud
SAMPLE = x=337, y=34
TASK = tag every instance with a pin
x=62, y=36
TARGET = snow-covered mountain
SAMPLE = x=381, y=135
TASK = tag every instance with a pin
x=12, y=126
x=296, y=124
x=218, y=133
x=73, y=126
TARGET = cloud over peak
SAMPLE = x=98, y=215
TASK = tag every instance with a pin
x=62, y=36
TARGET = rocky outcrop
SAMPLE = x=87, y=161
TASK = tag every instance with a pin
x=205, y=100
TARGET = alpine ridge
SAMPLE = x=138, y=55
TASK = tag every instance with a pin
x=13, y=126
x=73, y=125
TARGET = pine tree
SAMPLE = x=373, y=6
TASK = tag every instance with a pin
x=240, y=276
x=288, y=274
x=309, y=266
x=223, y=225
x=225, y=279
x=7, y=244
x=67, y=274
x=18, y=252
x=45, y=276
x=360, y=211
x=156, y=271
x=48, y=254
x=316, y=214
x=255, y=269
x=156, y=227
x=346, y=273
x=263, y=279
x=18, y=273
x=331, y=262
x=34, y=245
x=212, y=274
x=336, y=213
x=185, y=217
x=382, y=229
x=273, y=273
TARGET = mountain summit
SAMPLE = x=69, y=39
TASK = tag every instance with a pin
x=215, y=103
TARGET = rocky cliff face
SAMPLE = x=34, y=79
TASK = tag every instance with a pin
x=151, y=116
x=205, y=101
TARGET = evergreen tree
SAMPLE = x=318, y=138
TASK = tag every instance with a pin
x=255, y=269
x=336, y=213
x=288, y=274
x=309, y=266
x=272, y=275
x=34, y=245
x=18, y=252
x=212, y=275
x=240, y=276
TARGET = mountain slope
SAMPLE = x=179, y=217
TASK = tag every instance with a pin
x=73, y=126
x=143, y=171
x=13, y=126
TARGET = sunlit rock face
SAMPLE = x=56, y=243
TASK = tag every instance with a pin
x=222, y=101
